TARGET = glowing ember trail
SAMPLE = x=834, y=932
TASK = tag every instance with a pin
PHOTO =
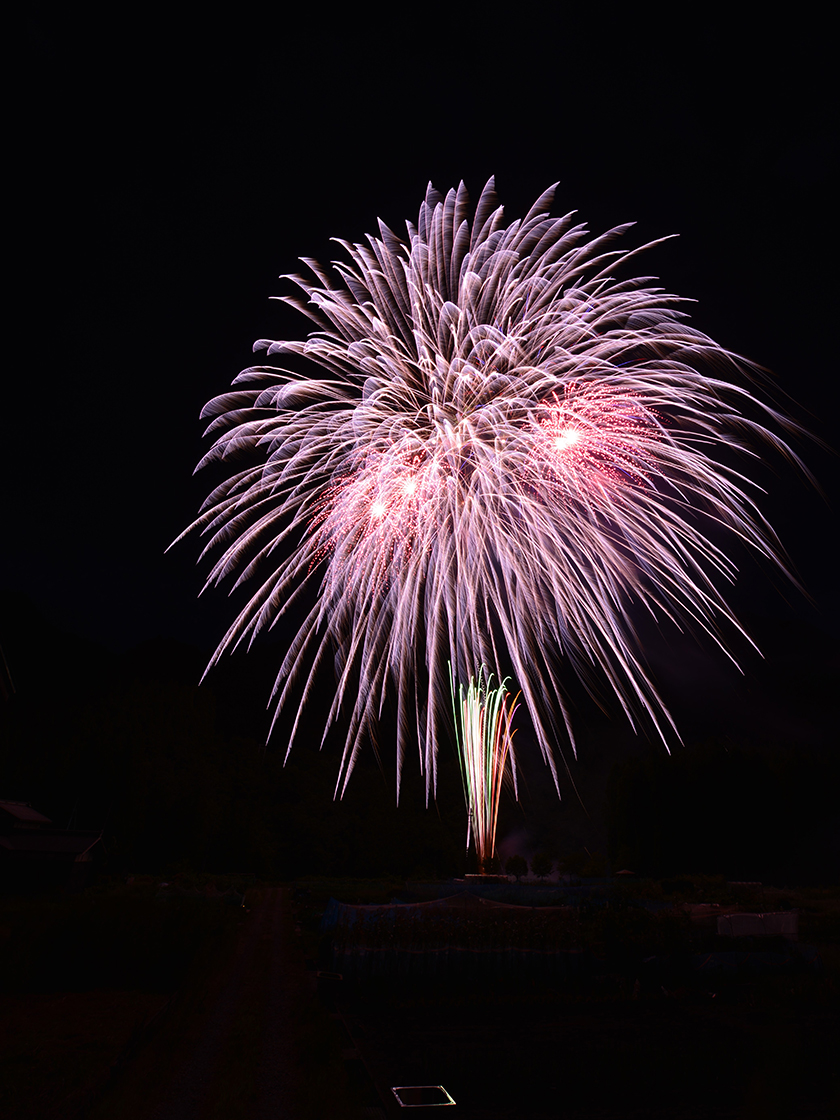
x=500, y=454
x=484, y=739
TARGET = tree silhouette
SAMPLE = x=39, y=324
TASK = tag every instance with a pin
x=541, y=865
x=516, y=866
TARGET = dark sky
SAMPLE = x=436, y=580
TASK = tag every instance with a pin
x=167, y=170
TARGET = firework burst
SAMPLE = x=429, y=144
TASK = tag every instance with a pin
x=506, y=452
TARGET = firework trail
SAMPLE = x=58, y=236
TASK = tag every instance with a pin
x=483, y=719
x=506, y=451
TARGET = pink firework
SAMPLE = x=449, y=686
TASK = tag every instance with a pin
x=379, y=507
x=595, y=437
x=499, y=447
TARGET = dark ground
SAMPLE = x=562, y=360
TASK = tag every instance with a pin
x=250, y=1031
x=242, y=1046
x=240, y=1035
x=614, y=1048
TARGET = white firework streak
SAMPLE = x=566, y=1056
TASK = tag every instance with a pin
x=506, y=450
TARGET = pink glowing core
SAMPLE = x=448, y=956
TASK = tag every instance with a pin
x=566, y=439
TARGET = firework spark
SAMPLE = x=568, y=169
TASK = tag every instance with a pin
x=484, y=739
x=506, y=454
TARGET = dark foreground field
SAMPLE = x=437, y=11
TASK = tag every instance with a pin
x=649, y=1013
x=194, y=1006
x=189, y=1004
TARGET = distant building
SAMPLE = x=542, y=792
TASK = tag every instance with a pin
x=37, y=856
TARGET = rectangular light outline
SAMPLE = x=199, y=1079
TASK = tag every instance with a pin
x=395, y=1089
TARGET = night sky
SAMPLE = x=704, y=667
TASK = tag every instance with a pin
x=167, y=170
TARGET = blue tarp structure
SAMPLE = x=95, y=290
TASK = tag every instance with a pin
x=470, y=936
x=463, y=935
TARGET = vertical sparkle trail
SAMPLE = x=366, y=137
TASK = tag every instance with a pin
x=483, y=719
